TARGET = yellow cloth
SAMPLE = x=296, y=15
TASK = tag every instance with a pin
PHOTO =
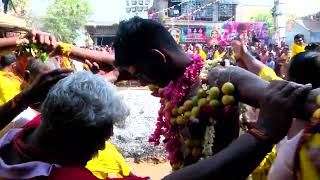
x=308, y=171
x=108, y=163
x=262, y=171
x=268, y=74
x=218, y=55
x=203, y=55
x=296, y=49
x=9, y=86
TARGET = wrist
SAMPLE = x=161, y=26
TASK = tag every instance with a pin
x=261, y=135
x=20, y=101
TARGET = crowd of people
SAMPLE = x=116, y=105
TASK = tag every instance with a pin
x=56, y=121
x=275, y=56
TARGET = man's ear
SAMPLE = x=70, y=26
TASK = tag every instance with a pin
x=26, y=76
x=158, y=54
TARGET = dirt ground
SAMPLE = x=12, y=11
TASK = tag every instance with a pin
x=150, y=169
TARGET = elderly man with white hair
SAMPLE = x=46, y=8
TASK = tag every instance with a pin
x=77, y=117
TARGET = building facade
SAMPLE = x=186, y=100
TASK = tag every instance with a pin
x=102, y=33
x=203, y=10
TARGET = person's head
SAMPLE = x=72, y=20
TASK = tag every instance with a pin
x=299, y=39
x=270, y=47
x=78, y=116
x=264, y=49
x=198, y=47
x=304, y=68
x=286, y=49
x=270, y=55
x=147, y=46
x=7, y=62
x=313, y=47
x=35, y=67
x=220, y=49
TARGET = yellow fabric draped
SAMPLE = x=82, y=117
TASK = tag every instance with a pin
x=296, y=49
x=218, y=55
x=268, y=74
x=203, y=55
x=307, y=169
x=109, y=163
x=262, y=171
x=9, y=86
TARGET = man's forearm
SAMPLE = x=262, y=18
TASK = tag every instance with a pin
x=253, y=65
x=236, y=161
x=81, y=54
x=11, y=109
x=8, y=42
x=250, y=89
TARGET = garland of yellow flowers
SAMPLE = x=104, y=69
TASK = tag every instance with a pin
x=303, y=166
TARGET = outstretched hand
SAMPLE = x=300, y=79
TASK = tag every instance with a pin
x=277, y=107
x=110, y=76
x=41, y=85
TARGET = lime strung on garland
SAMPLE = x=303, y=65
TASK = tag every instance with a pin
x=34, y=50
x=188, y=125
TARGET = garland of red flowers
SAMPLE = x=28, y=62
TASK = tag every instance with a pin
x=172, y=96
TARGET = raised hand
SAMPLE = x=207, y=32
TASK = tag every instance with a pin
x=41, y=38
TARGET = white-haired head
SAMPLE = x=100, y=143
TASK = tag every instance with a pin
x=79, y=113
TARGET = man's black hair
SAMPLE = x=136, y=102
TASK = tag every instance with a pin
x=254, y=54
x=312, y=47
x=305, y=68
x=241, y=27
x=135, y=37
x=298, y=36
x=7, y=60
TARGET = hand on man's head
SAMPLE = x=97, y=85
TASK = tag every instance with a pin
x=41, y=38
x=41, y=85
x=277, y=106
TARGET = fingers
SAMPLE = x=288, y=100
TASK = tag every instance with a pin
x=298, y=93
x=53, y=40
x=33, y=36
x=47, y=40
x=289, y=88
x=38, y=37
x=276, y=86
x=88, y=63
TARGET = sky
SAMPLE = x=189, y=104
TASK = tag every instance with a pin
x=114, y=10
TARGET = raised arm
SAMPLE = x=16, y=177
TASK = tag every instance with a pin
x=250, y=89
x=81, y=54
x=35, y=93
x=252, y=64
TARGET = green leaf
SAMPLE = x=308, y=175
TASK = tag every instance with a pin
x=44, y=57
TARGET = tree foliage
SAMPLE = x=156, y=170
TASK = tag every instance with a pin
x=21, y=7
x=64, y=18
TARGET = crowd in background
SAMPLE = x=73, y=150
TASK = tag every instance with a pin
x=276, y=56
